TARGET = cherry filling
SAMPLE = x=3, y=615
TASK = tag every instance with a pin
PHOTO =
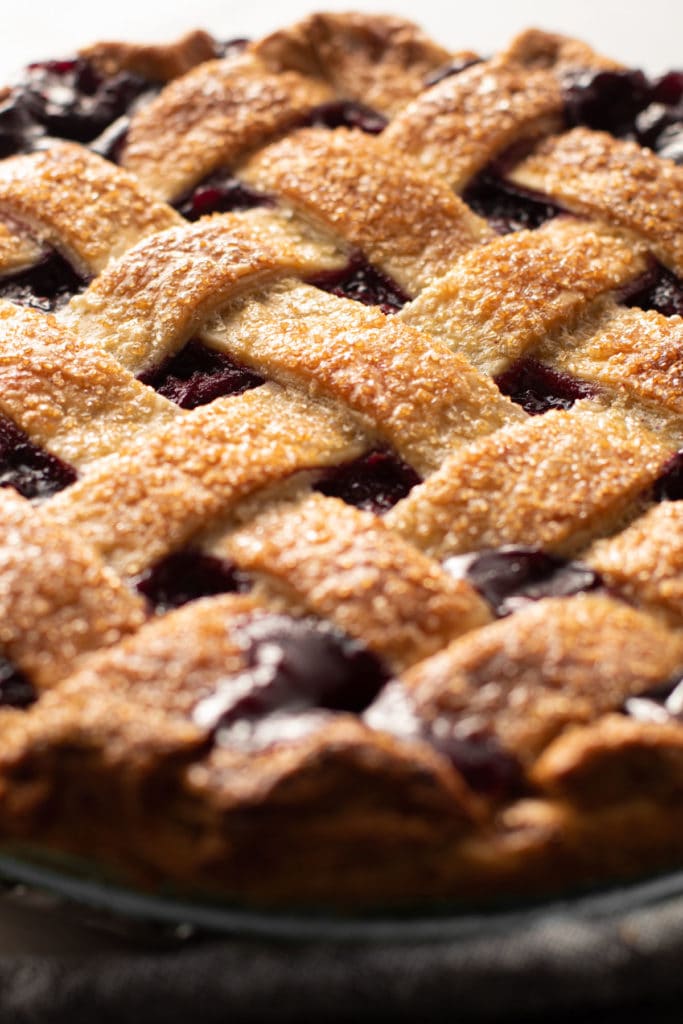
x=669, y=486
x=15, y=689
x=187, y=575
x=363, y=283
x=507, y=207
x=220, y=193
x=47, y=285
x=538, y=388
x=510, y=577
x=473, y=750
x=374, y=482
x=662, y=704
x=659, y=290
x=67, y=99
x=293, y=666
x=197, y=375
x=345, y=114
x=31, y=470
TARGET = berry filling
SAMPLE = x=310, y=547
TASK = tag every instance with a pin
x=187, y=575
x=661, y=704
x=294, y=666
x=360, y=281
x=15, y=689
x=473, y=750
x=47, y=285
x=669, y=486
x=31, y=470
x=197, y=375
x=345, y=114
x=374, y=482
x=537, y=388
x=506, y=207
x=220, y=193
x=67, y=99
x=659, y=290
x=606, y=100
x=510, y=577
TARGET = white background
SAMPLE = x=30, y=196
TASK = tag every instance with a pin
x=648, y=34
x=645, y=33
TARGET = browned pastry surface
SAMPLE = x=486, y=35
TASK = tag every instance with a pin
x=365, y=720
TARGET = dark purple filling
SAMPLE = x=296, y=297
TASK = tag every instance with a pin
x=629, y=105
x=669, y=486
x=188, y=575
x=197, y=375
x=538, y=388
x=345, y=114
x=659, y=290
x=473, y=750
x=510, y=577
x=47, y=285
x=29, y=469
x=220, y=193
x=660, y=704
x=374, y=482
x=454, y=67
x=293, y=665
x=506, y=207
x=67, y=99
x=363, y=283
x=15, y=689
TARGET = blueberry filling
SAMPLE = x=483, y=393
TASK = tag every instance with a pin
x=510, y=577
x=187, y=575
x=220, y=193
x=197, y=375
x=660, y=290
x=47, y=285
x=605, y=100
x=360, y=281
x=538, y=388
x=292, y=666
x=15, y=689
x=374, y=482
x=506, y=207
x=473, y=749
x=662, y=704
x=31, y=470
x=669, y=485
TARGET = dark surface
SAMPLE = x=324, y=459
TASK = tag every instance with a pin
x=567, y=967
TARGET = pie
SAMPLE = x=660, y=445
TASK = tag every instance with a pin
x=341, y=541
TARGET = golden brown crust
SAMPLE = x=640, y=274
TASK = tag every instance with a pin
x=69, y=397
x=17, y=250
x=348, y=568
x=158, y=63
x=538, y=50
x=58, y=602
x=406, y=388
x=150, y=499
x=645, y=562
x=620, y=182
x=553, y=482
x=151, y=301
x=566, y=661
x=379, y=60
x=459, y=125
x=502, y=300
x=82, y=205
x=406, y=223
x=212, y=117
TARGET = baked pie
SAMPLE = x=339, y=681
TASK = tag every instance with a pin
x=341, y=435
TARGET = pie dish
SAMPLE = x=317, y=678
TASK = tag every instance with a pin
x=341, y=549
